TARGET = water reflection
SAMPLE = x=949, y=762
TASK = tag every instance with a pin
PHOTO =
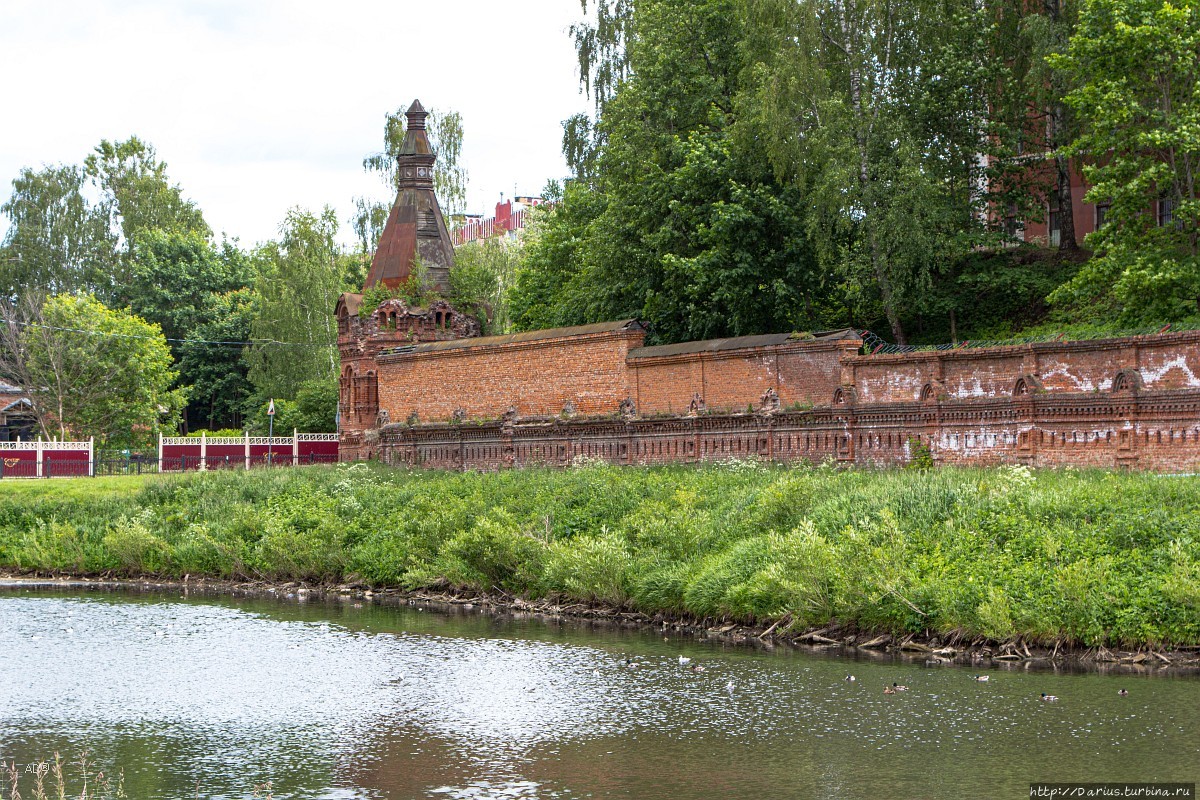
x=327, y=701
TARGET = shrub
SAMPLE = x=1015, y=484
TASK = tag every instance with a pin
x=493, y=553
x=135, y=547
x=594, y=568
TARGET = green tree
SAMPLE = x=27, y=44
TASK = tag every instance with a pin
x=95, y=371
x=212, y=363
x=547, y=290
x=601, y=46
x=298, y=282
x=878, y=112
x=683, y=223
x=1137, y=68
x=57, y=241
x=60, y=242
x=481, y=278
x=139, y=195
x=173, y=274
x=180, y=280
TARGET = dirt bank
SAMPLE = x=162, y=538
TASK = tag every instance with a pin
x=925, y=648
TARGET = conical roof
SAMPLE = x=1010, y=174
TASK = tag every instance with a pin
x=415, y=226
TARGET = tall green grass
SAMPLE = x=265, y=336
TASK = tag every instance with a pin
x=1075, y=556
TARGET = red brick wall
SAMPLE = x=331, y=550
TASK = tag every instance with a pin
x=1157, y=431
x=961, y=404
x=537, y=378
x=1164, y=361
x=801, y=373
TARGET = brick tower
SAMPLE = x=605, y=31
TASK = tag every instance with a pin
x=415, y=228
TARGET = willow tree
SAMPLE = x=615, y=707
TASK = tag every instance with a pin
x=601, y=45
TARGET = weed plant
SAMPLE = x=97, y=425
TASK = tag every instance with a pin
x=48, y=780
x=1080, y=557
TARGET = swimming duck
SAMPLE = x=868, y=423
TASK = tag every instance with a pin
x=851, y=678
x=729, y=687
x=888, y=690
x=982, y=677
x=684, y=660
x=1122, y=692
x=698, y=668
x=899, y=688
x=1049, y=698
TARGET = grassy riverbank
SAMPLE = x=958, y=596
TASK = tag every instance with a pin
x=1082, y=557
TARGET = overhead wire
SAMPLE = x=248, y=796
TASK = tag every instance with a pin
x=227, y=343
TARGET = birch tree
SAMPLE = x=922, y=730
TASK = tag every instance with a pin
x=298, y=282
x=876, y=109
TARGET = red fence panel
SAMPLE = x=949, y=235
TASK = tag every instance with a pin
x=66, y=463
x=19, y=463
x=229, y=452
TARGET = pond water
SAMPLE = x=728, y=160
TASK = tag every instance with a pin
x=210, y=697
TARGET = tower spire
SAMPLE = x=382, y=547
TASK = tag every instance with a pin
x=415, y=227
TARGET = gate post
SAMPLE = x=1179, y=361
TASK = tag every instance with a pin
x=161, y=466
x=39, y=457
x=295, y=447
x=91, y=456
x=203, y=451
x=247, y=449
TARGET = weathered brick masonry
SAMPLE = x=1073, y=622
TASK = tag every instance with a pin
x=549, y=396
x=419, y=386
x=541, y=373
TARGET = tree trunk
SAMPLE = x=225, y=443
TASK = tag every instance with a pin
x=1062, y=188
x=878, y=264
x=1057, y=135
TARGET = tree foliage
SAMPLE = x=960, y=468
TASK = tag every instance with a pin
x=877, y=112
x=113, y=383
x=57, y=240
x=1137, y=68
x=683, y=222
x=173, y=274
x=212, y=364
x=480, y=280
x=138, y=194
x=298, y=282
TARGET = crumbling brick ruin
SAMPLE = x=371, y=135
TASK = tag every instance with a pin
x=421, y=387
x=546, y=397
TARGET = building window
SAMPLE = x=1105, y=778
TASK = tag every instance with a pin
x=1166, y=211
x=1012, y=225
x=1102, y=210
x=1054, y=228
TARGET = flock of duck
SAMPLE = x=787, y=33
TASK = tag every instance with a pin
x=895, y=688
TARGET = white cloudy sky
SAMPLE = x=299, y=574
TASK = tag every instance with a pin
x=260, y=105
